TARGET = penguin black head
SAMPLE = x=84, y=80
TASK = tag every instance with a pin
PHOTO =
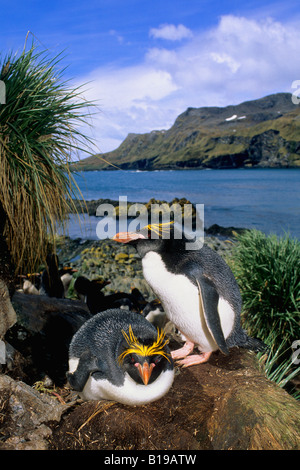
x=83, y=285
x=161, y=238
x=144, y=360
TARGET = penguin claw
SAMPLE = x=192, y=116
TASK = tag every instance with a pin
x=195, y=359
x=184, y=351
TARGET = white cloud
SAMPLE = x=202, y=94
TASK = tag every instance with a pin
x=171, y=32
x=114, y=33
x=226, y=59
x=131, y=87
x=240, y=59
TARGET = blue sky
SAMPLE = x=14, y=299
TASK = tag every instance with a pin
x=147, y=61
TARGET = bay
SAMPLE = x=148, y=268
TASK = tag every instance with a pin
x=264, y=199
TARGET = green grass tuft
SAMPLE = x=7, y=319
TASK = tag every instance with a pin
x=39, y=135
x=267, y=269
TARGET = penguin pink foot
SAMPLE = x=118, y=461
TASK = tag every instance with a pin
x=184, y=351
x=194, y=359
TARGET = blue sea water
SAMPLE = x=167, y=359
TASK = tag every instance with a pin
x=265, y=199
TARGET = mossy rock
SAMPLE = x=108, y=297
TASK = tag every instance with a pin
x=121, y=257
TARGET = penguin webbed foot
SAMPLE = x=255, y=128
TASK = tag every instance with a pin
x=185, y=359
x=184, y=351
x=194, y=359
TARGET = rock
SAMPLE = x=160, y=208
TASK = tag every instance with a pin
x=42, y=334
x=226, y=403
x=7, y=313
x=216, y=229
x=2, y=353
x=24, y=416
x=34, y=312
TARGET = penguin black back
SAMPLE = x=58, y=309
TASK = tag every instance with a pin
x=97, y=301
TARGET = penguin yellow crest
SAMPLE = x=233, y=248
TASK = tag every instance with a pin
x=159, y=229
x=134, y=346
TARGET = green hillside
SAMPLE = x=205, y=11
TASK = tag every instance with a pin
x=258, y=133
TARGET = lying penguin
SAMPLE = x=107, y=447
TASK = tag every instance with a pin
x=198, y=292
x=120, y=356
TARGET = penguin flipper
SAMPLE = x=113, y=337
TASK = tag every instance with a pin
x=208, y=302
x=87, y=365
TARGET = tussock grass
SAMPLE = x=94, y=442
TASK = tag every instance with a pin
x=39, y=134
x=267, y=269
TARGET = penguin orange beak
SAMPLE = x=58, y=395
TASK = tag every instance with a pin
x=126, y=237
x=145, y=371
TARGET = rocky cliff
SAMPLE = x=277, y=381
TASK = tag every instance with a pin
x=259, y=133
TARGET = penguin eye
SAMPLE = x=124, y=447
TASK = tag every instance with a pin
x=157, y=359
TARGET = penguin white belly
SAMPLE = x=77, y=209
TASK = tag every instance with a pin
x=180, y=299
x=130, y=393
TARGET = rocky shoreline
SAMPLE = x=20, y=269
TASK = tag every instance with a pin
x=120, y=264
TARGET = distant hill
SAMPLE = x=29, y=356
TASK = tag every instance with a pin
x=258, y=133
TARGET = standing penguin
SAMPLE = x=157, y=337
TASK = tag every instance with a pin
x=66, y=276
x=198, y=292
x=120, y=356
x=51, y=283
